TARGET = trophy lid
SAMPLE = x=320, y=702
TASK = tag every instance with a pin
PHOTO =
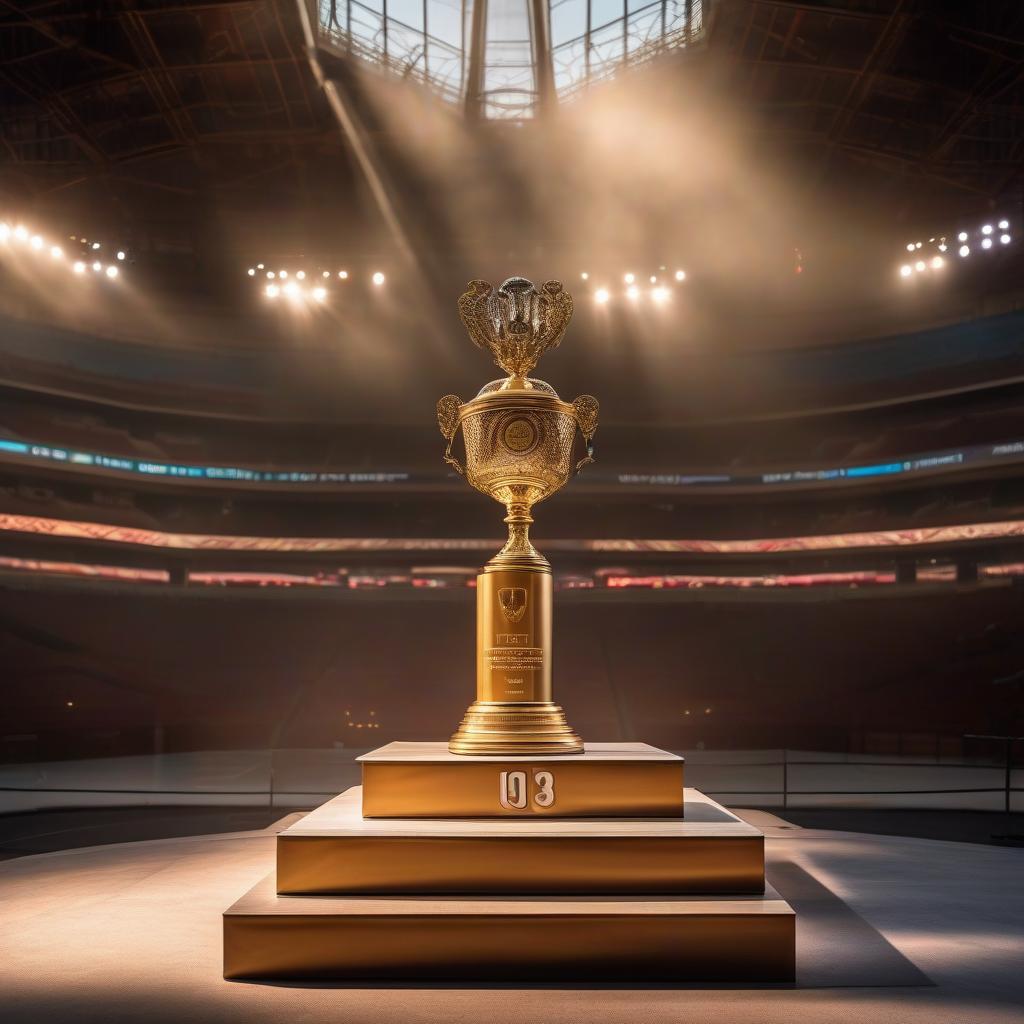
x=523, y=384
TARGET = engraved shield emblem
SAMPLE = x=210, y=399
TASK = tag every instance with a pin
x=513, y=602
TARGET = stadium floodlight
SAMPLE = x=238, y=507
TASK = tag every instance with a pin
x=987, y=229
x=272, y=291
x=270, y=275
x=301, y=275
x=1005, y=239
x=680, y=275
x=251, y=271
x=659, y=294
x=111, y=271
x=937, y=262
x=633, y=292
x=21, y=232
x=629, y=278
x=56, y=252
x=965, y=250
x=910, y=246
x=79, y=267
x=1003, y=225
x=319, y=293
x=906, y=270
x=37, y=242
x=326, y=273
x=343, y=274
x=584, y=276
x=95, y=245
x=919, y=265
x=120, y=254
x=601, y=296
x=986, y=243
x=97, y=266
x=378, y=279
x=292, y=290
x=283, y=274
x=943, y=247
x=962, y=237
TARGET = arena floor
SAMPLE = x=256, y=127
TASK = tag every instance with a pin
x=905, y=930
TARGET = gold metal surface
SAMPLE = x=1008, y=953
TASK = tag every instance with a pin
x=518, y=437
x=728, y=939
x=425, y=780
x=336, y=850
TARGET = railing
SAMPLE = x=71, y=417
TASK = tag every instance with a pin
x=304, y=778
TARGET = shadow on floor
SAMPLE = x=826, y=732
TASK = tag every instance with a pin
x=835, y=946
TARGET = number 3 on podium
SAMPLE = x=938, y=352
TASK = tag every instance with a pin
x=513, y=794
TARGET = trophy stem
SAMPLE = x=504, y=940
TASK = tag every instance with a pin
x=513, y=712
x=518, y=546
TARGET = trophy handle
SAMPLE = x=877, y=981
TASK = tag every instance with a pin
x=586, y=409
x=448, y=420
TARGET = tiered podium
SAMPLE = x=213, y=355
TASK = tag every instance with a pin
x=578, y=867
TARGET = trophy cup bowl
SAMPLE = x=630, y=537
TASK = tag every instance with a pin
x=519, y=438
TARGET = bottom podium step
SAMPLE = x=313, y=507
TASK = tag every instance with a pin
x=677, y=938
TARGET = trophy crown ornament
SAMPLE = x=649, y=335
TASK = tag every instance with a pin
x=516, y=323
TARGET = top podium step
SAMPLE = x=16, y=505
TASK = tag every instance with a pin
x=608, y=780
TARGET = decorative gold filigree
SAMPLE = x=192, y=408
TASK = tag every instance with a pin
x=516, y=323
x=448, y=420
x=586, y=408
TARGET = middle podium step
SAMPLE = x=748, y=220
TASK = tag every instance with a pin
x=334, y=849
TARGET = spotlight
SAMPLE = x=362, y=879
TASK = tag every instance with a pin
x=937, y=261
x=964, y=250
x=5, y=232
x=95, y=245
x=326, y=273
x=343, y=274
x=120, y=254
x=319, y=294
x=56, y=252
x=1003, y=225
x=962, y=237
x=986, y=243
x=283, y=274
x=111, y=271
x=601, y=296
x=97, y=266
x=987, y=229
x=21, y=232
x=585, y=276
x=251, y=271
x=659, y=294
x=378, y=278
x=917, y=245
x=919, y=265
x=910, y=247
x=906, y=270
x=79, y=267
x=270, y=275
x=37, y=242
x=632, y=291
x=301, y=275
x=628, y=278
x=1005, y=239
x=680, y=275
x=272, y=291
x=291, y=289
x=653, y=279
x=943, y=247
x=259, y=266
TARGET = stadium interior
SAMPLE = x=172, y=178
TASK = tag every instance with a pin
x=232, y=237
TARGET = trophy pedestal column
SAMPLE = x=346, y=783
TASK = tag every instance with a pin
x=514, y=712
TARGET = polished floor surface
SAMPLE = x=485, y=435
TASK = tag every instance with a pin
x=900, y=930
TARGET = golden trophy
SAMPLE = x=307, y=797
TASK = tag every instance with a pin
x=519, y=438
